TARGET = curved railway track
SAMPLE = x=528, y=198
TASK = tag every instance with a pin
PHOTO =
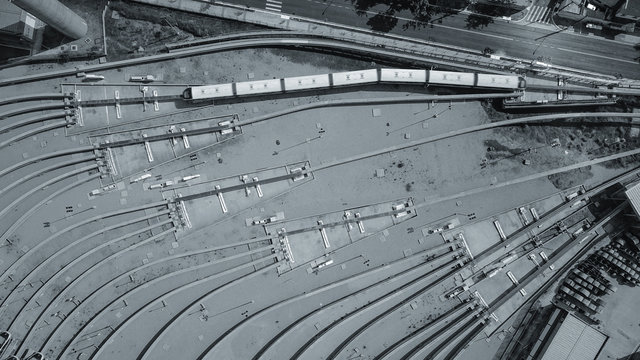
x=38, y=130
x=244, y=41
x=215, y=291
x=43, y=171
x=33, y=120
x=42, y=244
x=33, y=108
x=51, y=257
x=32, y=97
x=395, y=348
x=294, y=326
x=51, y=155
x=88, y=271
x=91, y=299
x=309, y=294
x=361, y=329
x=76, y=260
x=32, y=335
x=45, y=184
x=438, y=333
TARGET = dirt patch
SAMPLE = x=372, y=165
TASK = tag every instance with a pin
x=569, y=179
x=137, y=29
x=554, y=144
x=320, y=59
x=491, y=108
x=497, y=151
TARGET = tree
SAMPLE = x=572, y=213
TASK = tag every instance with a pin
x=475, y=21
x=422, y=11
x=383, y=22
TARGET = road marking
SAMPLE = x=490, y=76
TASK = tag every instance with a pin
x=539, y=14
x=274, y=5
x=600, y=56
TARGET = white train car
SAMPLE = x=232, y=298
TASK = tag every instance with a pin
x=209, y=92
x=403, y=76
x=307, y=82
x=498, y=81
x=358, y=77
x=451, y=78
x=259, y=87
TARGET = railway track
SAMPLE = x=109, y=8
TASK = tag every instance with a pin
x=155, y=302
x=453, y=269
x=292, y=300
x=513, y=291
x=33, y=335
x=55, y=274
x=395, y=348
x=18, y=263
x=296, y=327
x=110, y=294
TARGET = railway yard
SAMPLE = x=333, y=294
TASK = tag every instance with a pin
x=253, y=190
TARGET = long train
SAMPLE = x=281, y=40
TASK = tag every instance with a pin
x=350, y=78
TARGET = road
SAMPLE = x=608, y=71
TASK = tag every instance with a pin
x=509, y=38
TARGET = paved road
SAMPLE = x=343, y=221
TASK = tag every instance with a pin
x=514, y=39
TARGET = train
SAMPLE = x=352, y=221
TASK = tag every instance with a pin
x=352, y=78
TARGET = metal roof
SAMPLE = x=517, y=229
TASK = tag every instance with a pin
x=575, y=340
x=633, y=194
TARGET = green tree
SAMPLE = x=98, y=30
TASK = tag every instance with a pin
x=383, y=22
x=475, y=21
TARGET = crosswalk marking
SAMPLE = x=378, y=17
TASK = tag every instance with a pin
x=539, y=14
x=274, y=5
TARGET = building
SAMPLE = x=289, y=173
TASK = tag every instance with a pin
x=632, y=194
x=17, y=29
x=571, y=339
x=16, y=22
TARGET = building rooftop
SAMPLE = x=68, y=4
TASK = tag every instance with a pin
x=633, y=194
x=14, y=20
x=575, y=340
x=10, y=18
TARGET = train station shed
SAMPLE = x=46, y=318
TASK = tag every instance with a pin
x=574, y=340
x=633, y=196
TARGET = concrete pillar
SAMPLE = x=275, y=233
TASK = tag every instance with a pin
x=57, y=15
